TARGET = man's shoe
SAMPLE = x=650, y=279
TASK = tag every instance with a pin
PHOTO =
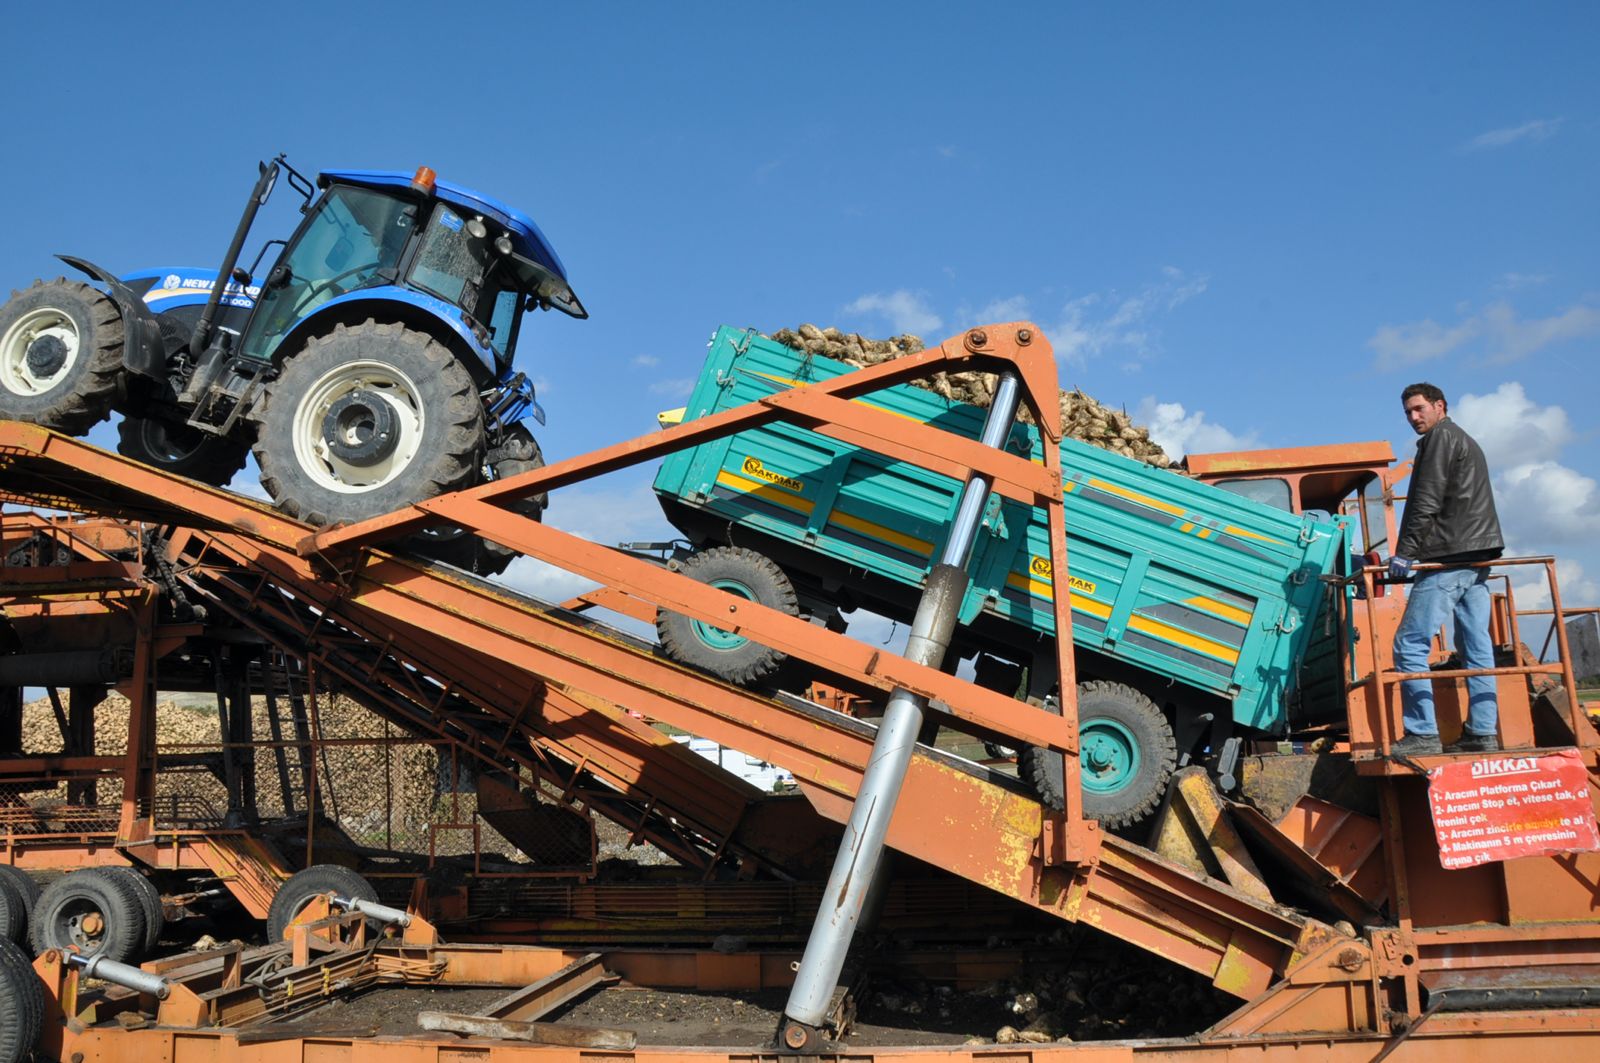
x=1474, y=743
x=1416, y=746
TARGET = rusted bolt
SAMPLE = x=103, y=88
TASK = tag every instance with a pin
x=977, y=338
x=1024, y=336
x=733, y=608
x=1348, y=960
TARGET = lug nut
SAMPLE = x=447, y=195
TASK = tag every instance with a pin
x=1024, y=336
x=977, y=337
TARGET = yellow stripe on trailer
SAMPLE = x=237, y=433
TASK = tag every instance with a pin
x=1135, y=496
x=853, y=523
x=766, y=492
x=1218, y=609
x=1198, y=643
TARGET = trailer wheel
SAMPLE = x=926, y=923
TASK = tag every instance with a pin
x=365, y=420
x=299, y=889
x=1126, y=753
x=178, y=448
x=725, y=654
x=24, y=883
x=13, y=912
x=60, y=355
x=155, y=919
x=21, y=1005
x=91, y=913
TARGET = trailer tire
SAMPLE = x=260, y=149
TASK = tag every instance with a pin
x=26, y=887
x=155, y=919
x=1126, y=750
x=60, y=355
x=724, y=654
x=92, y=913
x=366, y=420
x=21, y=1005
x=180, y=449
x=298, y=890
x=13, y=912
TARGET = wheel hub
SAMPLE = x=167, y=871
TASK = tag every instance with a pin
x=360, y=429
x=46, y=355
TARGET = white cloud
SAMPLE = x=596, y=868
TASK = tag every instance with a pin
x=1532, y=591
x=1511, y=428
x=906, y=311
x=678, y=388
x=1179, y=432
x=646, y=361
x=1013, y=308
x=1114, y=323
x=1504, y=337
x=1511, y=282
x=1534, y=131
x=1542, y=503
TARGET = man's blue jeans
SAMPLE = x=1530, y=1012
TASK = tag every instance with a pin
x=1463, y=593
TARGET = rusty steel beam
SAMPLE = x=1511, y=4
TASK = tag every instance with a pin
x=538, y=999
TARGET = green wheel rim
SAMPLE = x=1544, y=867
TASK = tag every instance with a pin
x=1109, y=754
x=715, y=637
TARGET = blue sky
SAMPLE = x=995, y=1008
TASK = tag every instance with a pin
x=1253, y=224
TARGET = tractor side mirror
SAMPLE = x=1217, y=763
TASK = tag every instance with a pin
x=241, y=276
x=280, y=277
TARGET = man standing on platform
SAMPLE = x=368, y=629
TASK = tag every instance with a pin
x=1449, y=520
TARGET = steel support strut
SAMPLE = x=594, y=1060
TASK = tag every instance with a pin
x=861, y=850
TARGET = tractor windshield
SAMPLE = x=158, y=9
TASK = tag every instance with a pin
x=461, y=267
x=353, y=238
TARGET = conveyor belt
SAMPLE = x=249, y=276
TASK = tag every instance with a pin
x=494, y=667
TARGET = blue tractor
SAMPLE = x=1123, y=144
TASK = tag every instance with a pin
x=371, y=367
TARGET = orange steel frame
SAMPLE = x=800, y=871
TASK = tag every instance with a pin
x=1294, y=973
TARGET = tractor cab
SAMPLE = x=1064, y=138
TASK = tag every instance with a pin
x=469, y=261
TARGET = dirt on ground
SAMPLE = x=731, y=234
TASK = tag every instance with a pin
x=1093, y=990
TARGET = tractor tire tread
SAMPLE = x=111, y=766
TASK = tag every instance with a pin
x=89, y=399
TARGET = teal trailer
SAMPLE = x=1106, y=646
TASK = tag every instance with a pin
x=1195, y=603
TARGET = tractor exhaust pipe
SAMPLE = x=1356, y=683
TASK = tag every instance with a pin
x=202, y=329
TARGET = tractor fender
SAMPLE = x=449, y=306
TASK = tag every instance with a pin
x=143, y=351
x=417, y=309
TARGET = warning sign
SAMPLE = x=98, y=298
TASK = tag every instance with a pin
x=1503, y=807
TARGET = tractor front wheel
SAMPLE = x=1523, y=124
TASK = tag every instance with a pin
x=60, y=356
x=366, y=420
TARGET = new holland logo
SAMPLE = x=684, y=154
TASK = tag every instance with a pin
x=1040, y=568
x=753, y=467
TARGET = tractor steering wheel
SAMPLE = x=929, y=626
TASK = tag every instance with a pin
x=308, y=297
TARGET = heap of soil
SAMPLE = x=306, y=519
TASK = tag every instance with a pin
x=1082, y=417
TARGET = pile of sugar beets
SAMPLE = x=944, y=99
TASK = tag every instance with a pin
x=1082, y=417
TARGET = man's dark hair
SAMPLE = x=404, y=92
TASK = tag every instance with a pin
x=1427, y=391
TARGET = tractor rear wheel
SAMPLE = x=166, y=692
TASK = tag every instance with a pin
x=726, y=654
x=1126, y=754
x=60, y=356
x=365, y=420
x=178, y=448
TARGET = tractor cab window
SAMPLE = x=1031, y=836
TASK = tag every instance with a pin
x=451, y=261
x=456, y=262
x=353, y=239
